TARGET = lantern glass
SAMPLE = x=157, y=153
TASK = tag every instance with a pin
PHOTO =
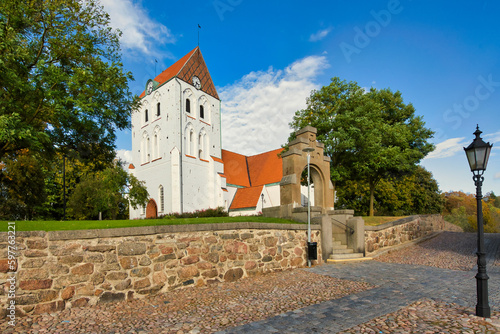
x=480, y=156
x=478, y=153
x=471, y=156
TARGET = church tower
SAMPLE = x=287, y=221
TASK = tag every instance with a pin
x=176, y=140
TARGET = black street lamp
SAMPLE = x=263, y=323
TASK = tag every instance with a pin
x=478, y=153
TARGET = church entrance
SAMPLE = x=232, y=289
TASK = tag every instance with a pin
x=151, y=209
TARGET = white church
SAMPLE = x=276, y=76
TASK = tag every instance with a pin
x=176, y=149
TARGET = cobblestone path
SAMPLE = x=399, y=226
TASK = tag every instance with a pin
x=395, y=294
x=397, y=287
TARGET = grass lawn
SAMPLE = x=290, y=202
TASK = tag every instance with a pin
x=379, y=220
x=40, y=225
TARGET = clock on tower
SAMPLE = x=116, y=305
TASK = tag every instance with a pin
x=196, y=82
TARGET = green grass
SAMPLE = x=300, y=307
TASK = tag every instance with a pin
x=41, y=225
x=379, y=220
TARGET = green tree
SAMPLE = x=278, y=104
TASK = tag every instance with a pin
x=108, y=192
x=75, y=169
x=62, y=83
x=417, y=193
x=369, y=136
x=22, y=186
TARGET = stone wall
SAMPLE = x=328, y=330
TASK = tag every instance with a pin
x=63, y=269
x=401, y=231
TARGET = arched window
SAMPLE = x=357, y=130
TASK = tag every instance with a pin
x=188, y=106
x=158, y=109
x=202, y=112
x=146, y=116
x=156, y=151
x=191, y=143
x=148, y=150
x=205, y=146
x=145, y=148
x=161, y=195
x=200, y=147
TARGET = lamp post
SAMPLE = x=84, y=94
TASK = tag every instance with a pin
x=478, y=153
x=308, y=150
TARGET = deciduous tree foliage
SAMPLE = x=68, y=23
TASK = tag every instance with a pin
x=417, y=193
x=74, y=171
x=109, y=192
x=22, y=186
x=369, y=136
x=461, y=209
x=62, y=83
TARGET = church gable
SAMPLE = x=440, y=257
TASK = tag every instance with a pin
x=192, y=64
x=196, y=66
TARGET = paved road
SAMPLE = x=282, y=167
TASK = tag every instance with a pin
x=397, y=286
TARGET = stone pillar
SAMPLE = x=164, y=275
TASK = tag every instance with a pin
x=356, y=241
x=339, y=220
x=326, y=237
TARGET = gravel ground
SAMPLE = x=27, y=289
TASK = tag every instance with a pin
x=429, y=316
x=198, y=309
x=448, y=250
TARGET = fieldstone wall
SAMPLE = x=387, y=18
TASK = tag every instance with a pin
x=401, y=231
x=63, y=269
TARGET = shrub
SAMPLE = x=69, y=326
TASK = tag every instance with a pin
x=217, y=212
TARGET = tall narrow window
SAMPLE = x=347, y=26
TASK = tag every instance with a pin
x=191, y=143
x=148, y=150
x=162, y=199
x=202, y=112
x=188, y=106
x=158, y=109
x=200, y=147
x=146, y=116
x=156, y=150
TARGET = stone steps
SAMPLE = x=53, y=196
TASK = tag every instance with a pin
x=357, y=259
x=341, y=254
x=342, y=251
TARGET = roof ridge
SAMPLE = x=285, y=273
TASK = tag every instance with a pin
x=248, y=172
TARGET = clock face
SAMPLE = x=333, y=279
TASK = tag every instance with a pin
x=196, y=82
x=150, y=87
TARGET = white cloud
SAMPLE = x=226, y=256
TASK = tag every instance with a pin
x=125, y=156
x=447, y=148
x=257, y=108
x=140, y=32
x=497, y=176
x=493, y=137
x=318, y=36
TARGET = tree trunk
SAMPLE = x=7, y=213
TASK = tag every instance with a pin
x=372, y=195
x=372, y=184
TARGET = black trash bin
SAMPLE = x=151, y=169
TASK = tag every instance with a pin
x=312, y=250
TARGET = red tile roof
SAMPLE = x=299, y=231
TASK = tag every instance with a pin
x=265, y=168
x=246, y=198
x=256, y=170
x=235, y=169
x=185, y=68
x=217, y=159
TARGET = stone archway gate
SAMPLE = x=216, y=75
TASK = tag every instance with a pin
x=295, y=161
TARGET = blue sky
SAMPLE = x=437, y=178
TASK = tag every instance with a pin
x=266, y=57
